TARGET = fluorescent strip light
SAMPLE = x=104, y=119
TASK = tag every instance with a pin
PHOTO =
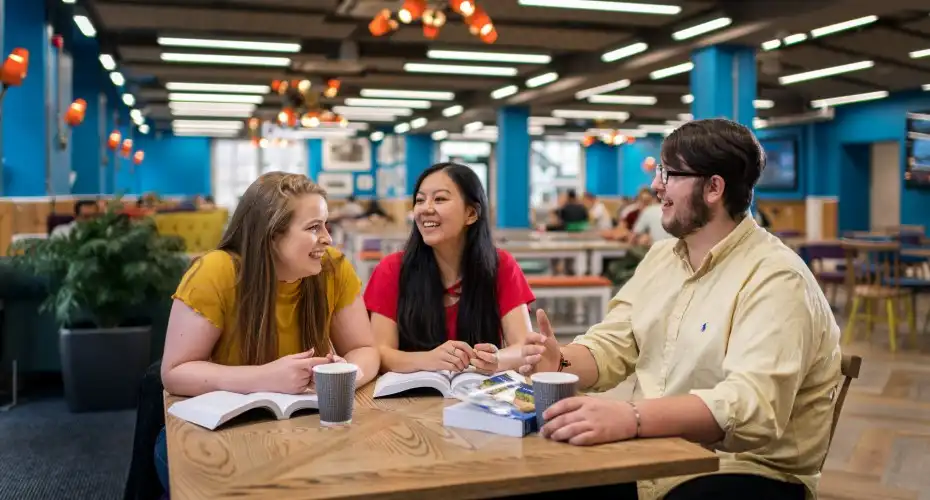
x=602, y=89
x=623, y=52
x=504, y=57
x=836, y=101
x=536, y=130
x=350, y=111
x=217, y=113
x=439, y=135
x=136, y=115
x=418, y=122
x=504, y=92
x=205, y=133
x=376, y=136
x=638, y=100
x=239, y=98
x=825, y=72
x=225, y=59
x=212, y=106
x=473, y=127
x=117, y=78
x=771, y=44
x=452, y=111
x=106, y=60
x=546, y=120
x=388, y=103
x=763, y=104
x=144, y=128
x=685, y=117
x=654, y=129
x=68, y=1
x=700, y=29
x=917, y=54
x=408, y=94
x=591, y=114
x=216, y=124
x=402, y=128
x=925, y=86
x=543, y=79
x=87, y=28
x=129, y=100
x=229, y=44
x=795, y=38
x=218, y=87
x=671, y=70
x=635, y=8
x=687, y=99
x=846, y=25
x=454, y=69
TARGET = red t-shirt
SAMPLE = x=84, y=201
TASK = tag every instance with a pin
x=381, y=293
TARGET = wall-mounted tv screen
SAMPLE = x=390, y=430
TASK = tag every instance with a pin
x=781, y=168
x=917, y=171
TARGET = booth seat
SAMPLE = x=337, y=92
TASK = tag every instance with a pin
x=201, y=230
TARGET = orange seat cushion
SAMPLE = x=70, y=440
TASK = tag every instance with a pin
x=370, y=255
x=567, y=281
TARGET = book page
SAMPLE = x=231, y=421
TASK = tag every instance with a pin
x=211, y=409
x=287, y=403
x=394, y=383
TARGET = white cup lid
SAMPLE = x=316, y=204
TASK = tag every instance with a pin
x=554, y=378
x=335, y=368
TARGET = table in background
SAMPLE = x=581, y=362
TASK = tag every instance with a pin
x=398, y=448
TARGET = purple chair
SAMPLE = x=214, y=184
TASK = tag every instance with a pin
x=816, y=255
x=55, y=220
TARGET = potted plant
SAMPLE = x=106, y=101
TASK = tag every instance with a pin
x=101, y=276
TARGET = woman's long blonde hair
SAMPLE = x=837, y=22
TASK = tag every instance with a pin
x=264, y=213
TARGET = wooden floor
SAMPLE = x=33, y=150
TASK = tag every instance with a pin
x=881, y=449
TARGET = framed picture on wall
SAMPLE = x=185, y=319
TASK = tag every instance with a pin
x=365, y=182
x=346, y=154
x=335, y=184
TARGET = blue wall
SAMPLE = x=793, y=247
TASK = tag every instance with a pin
x=633, y=177
x=174, y=166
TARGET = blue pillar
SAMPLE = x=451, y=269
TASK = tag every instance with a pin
x=87, y=140
x=723, y=83
x=419, y=152
x=512, y=172
x=373, y=192
x=602, y=169
x=25, y=150
x=315, y=162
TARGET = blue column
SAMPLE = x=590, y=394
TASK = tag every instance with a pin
x=25, y=150
x=87, y=140
x=512, y=172
x=315, y=162
x=723, y=83
x=602, y=169
x=373, y=192
x=419, y=152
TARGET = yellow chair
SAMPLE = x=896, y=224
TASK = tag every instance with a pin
x=201, y=230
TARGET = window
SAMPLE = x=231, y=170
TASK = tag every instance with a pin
x=237, y=163
x=554, y=166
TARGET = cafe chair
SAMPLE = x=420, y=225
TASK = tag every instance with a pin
x=874, y=268
x=849, y=367
x=142, y=482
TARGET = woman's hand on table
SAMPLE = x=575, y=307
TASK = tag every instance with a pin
x=291, y=374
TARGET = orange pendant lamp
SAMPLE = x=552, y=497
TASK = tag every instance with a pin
x=113, y=140
x=15, y=68
x=75, y=114
x=126, y=148
x=138, y=157
x=411, y=11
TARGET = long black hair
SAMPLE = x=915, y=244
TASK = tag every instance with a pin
x=421, y=313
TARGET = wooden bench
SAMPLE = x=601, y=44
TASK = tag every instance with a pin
x=366, y=262
x=595, y=288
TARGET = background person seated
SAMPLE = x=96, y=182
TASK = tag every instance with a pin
x=451, y=300
x=83, y=210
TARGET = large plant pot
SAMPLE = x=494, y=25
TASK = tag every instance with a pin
x=102, y=367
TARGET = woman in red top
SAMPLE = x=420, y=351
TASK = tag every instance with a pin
x=463, y=299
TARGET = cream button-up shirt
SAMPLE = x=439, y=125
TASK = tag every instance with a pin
x=749, y=332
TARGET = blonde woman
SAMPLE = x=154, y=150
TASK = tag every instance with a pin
x=274, y=300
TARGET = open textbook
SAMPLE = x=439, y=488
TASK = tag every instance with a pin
x=215, y=408
x=443, y=381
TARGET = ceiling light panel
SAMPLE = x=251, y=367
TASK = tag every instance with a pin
x=624, y=52
x=825, y=72
x=216, y=124
x=635, y=100
x=229, y=44
x=106, y=60
x=452, y=111
x=671, y=70
x=543, y=79
x=388, y=103
x=432, y=95
x=226, y=59
x=602, y=89
x=217, y=87
x=591, y=114
x=847, y=99
x=843, y=26
x=456, y=69
x=233, y=98
x=601, y=5
x=350, y=111
x=83, y=23
x=480, y=56
x=504, y=92
x=702, y=28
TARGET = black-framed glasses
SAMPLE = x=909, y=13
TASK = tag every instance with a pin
x=665, y=173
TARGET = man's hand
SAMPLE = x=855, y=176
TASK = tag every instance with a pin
x=541, y=351
x=586, y=420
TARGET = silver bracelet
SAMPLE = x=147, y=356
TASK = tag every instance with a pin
x=639, y=423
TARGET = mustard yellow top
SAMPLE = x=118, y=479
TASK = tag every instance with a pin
x=209, y=288
x=749, y=332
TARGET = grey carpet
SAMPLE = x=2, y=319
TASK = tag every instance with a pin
x=47, y=452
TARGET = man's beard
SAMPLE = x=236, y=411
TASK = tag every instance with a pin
x=691, y=217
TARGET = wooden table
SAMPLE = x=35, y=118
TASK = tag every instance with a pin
x=397, y=448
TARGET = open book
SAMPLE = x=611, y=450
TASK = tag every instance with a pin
x=215, y=408
x=443, y=381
